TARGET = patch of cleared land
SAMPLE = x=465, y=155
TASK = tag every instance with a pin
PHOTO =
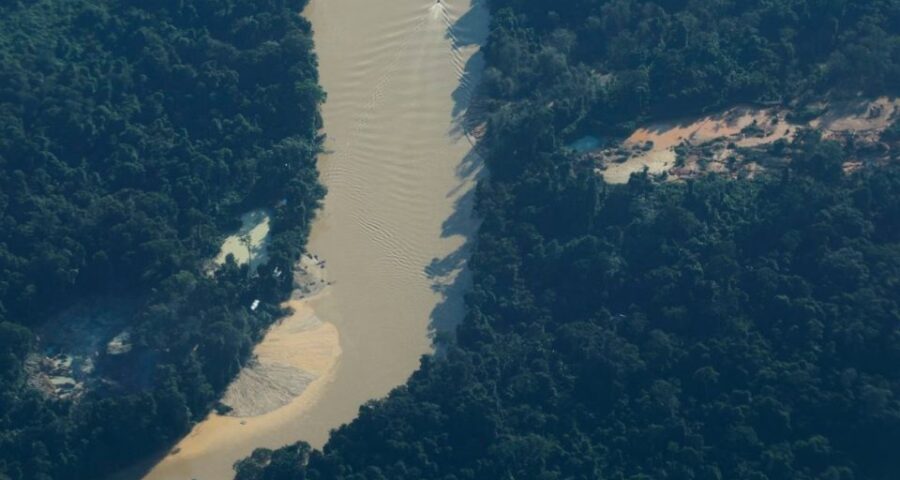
x=249, y=243
x=89, y=345
x=724, y=142
x=74, y=344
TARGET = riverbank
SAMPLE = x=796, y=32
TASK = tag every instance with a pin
x=296, y=352
x=394, y=227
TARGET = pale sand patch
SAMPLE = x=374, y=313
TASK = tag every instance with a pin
x=699, y=131
x=255, y=229
x=656, y=161
x=666, y=136
x=263, y=387
x=302, y=341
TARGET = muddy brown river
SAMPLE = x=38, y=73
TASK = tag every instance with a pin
x=400, y=170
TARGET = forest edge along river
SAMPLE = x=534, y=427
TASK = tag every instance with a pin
x=392, y=235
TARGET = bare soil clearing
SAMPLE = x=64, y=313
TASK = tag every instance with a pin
x=719, y=143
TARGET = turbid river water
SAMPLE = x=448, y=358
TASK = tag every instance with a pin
x=393, y=231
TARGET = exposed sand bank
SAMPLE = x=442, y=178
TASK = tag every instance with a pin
x=300, y=341
x=291, y=356
x=291, y=368
x=295, y=355
x=263, y=387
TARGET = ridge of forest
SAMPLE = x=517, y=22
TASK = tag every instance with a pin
x=135, y=134
x=707, y=329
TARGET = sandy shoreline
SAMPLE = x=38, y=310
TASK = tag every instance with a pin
x=291, y=356
x=317, y=351
x=300, y=340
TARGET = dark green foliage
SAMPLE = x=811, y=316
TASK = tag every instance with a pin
x=134, y=134
x=892, y=133
x=265, y=464
x=605, y=63
x=706, y=330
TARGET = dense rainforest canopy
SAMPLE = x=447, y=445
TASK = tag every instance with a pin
x=134, y=135
x=709, y=329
